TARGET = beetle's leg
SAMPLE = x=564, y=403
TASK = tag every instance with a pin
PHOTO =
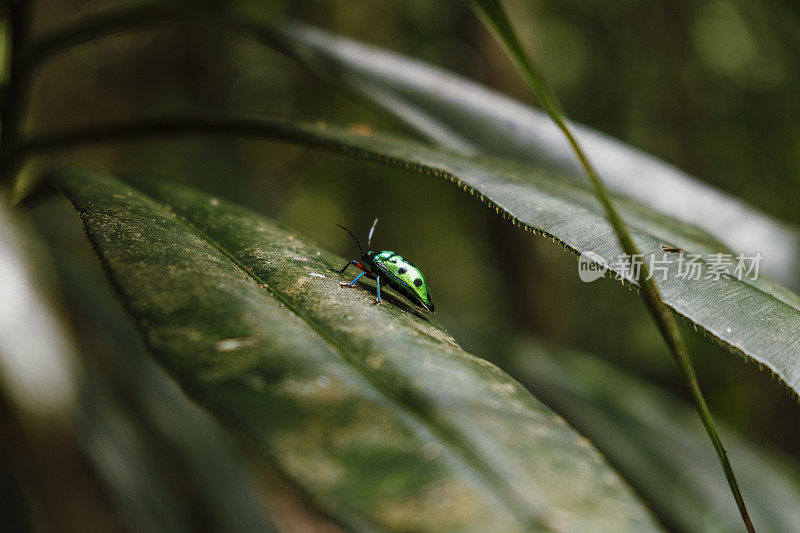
x=351, y=262
x=352, y=283
x=378, y=284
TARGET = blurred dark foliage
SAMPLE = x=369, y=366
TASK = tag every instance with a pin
x=710, y=86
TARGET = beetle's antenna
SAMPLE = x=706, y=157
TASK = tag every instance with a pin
x=354, y=238
x=371, y=231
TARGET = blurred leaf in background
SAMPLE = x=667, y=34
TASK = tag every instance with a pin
x=658, y=444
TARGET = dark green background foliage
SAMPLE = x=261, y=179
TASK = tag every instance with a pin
x=708, y=86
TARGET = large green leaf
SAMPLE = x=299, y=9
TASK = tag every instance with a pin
x=753, y=317
x=374, y=411
x=144, y=438
x=656, y=442
x=756, y=318
x=472, y=120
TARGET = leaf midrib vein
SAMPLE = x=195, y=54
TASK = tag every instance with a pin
x=472, y=460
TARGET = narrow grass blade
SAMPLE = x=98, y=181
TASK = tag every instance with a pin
x=494, y=17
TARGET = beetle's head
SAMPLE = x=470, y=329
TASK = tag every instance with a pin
x=368, y=255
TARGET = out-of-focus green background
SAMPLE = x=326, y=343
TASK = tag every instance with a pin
x=710, y=86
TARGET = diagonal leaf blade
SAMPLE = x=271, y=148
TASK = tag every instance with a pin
x=375, y=412
x=757, y=319
x=470, y=119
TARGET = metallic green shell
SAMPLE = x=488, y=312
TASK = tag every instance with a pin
x=404, y=276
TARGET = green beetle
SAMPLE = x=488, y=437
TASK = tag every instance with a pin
x=392, y=269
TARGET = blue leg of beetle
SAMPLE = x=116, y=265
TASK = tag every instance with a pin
x=352, y=283
x=351, y=262
x=378, y=283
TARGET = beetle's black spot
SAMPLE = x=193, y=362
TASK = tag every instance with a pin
x=393, y=261
x=417, y=282
x=402, y=271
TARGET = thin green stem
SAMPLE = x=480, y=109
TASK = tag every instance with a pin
x=494, y=17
